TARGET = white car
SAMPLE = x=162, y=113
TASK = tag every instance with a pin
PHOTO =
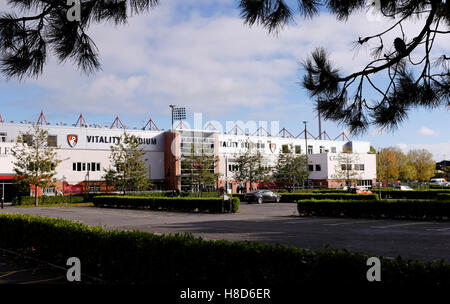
x=437, y=182
x=403, y=188
x=345, y=188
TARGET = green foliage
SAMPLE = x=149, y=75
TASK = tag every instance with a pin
x=127, y=257
x=199, y=167
x=58, y=199
x=128, y=171
x=293, y=197
x=252, y=166
x=35, y=160
x=216, y=205
x=401, y=209
x=291, y=169
x=416, y=194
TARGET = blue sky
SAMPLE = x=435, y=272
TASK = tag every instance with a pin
x=199, y=54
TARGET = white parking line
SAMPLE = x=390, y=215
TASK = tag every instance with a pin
x=401, y=225
x=300, y=221
x=354, y=222
x=439, y=229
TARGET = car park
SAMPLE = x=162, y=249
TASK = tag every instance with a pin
x=262, y=196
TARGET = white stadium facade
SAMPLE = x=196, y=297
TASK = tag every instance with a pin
x=85, y=151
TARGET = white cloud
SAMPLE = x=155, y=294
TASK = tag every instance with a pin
x=440, y=151
x=424, y=131
x=211, y=62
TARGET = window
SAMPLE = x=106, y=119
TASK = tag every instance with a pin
x=78, y=166
x=74, y=166
x=322, y=149
x=84, y=166
x=333, y=149
x=98, y=166
x=285, y=149
x=3, y=136
x=298, y=150
x=89, y=166
x=27, y=139
x=318, y=168
x=233, y=168
x=52, y=141
x=359, y=167
x=94, y=188
x=346, y=167
x=310, y=149
x=311, y=168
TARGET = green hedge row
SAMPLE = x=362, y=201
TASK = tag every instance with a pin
x=168, y=203
x=415, y=194
x=124, y=257
x=171, y=194
x=293, y=197
x=57, y=199
x=404, y=209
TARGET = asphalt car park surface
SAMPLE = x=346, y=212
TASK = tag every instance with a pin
x=276, y=223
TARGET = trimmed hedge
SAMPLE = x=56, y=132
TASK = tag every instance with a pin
x=57, y=199
x=293, y=197
x=415, y=194
x=168, y=203
x=433, y=209
x=124, y=257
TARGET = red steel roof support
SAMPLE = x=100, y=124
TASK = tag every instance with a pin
x=152, y=125
x=81, y=121
x=117, y=122
x=42, y=119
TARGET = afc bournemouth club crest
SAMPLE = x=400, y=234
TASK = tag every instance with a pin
x=272, y=147
x=72, y=139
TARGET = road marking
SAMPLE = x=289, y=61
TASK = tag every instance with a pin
x=354, y=222
x=401, y=225
x=300, y=221
x=439, y=229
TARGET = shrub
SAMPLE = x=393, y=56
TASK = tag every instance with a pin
x=405, y=209
x=124, y=257
x=166, y=203
x=57, y=199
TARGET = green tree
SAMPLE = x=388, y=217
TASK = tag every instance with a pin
x=291, y=169
x=252, y=166
x=423, y=163
x=365, y=97
x=345, y=169
x=407, y=170
x=389, y=161
x=35, y=160
x=128, y=171
x=200, y=169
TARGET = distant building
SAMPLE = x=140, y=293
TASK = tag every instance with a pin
x=442, y=164
x=85, y=151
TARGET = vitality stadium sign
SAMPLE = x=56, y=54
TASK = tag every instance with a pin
x=115, y=139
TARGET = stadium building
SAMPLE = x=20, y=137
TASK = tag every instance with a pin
x=84, y=150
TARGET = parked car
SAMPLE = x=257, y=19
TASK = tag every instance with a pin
x=262, y=196
x=360, y=190
x=403, y=188
x=345, y=188
x=436, y=182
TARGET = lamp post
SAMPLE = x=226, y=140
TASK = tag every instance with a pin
x=171, y=147
x=306, y=152
x=379, y=170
